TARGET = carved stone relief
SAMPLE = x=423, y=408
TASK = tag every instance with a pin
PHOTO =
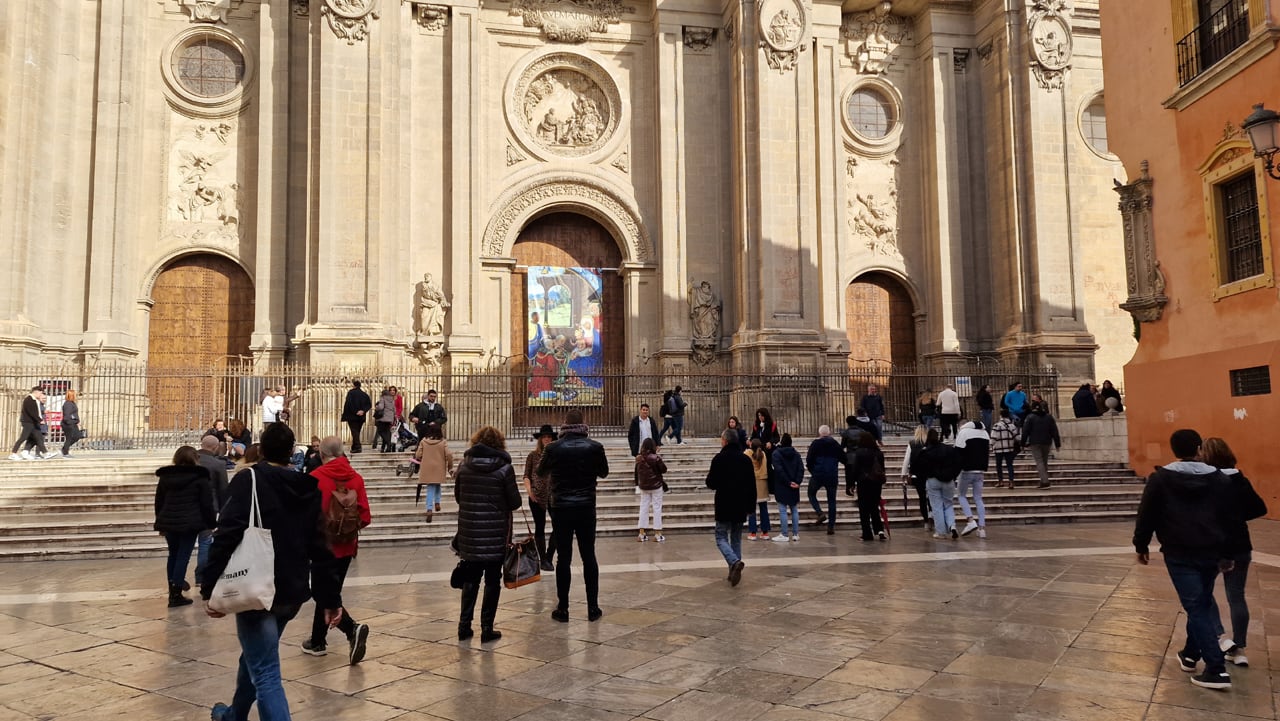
x=204, y=194
x=1050, y=41
x=594, y=201
x=432, y=18
x=1143, y=274
x=705, y=311
x=622, y=162
x=782, y=32
x=513, y=155
x=207, y=11
x=432, y=307
x=872, y=37
x=564, y=105
x=960, y=60
x=349, y=19
x=569, y=21
x=699, y=40
x=301, y=8
x=871, y=187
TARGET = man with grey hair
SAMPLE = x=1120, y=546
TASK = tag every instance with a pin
x=217, y=466
x=823, y=462
x=733, y=477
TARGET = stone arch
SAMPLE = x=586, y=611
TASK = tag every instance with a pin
x=568, y=192
x=881, y=313
x=158, y=267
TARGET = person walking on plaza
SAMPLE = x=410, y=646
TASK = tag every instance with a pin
x=354, y=411
x=575, y=463
x=927, y=406
x=289, y=506
x=70, y=423
x=649, y=470
x=856, y=426
x=642, y=428
x=435, y=465
x=344, y=505
x=986, y=405
x=427, y=412
x=538, y=486
x=873, y=405
x=949, y=411
x=1015, y=401
x=939, y=465
x=217, y=467
x=823, y=463
x=868, y=481
x=1040, y=430
x=31, y=418
x=184, y=508
x=734, y=481
x=675, y=405
x=760, y=466
x=486, y=491
x=1188, y=505
x=914, y=446
x=974, y=445
x=1005, y=444
x=788, y=476
x=384, y=416
x=1246, y=506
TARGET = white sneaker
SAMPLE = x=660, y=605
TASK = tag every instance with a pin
x=982, y=533
x=660, y=538
x=1225, y=644
x=781, y=539
x=969, y=527
x=49, y=455
x=26, y=455
x=795, y=538
x=16, y=457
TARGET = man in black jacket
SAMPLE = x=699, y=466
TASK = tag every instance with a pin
x=217, y=467
x=574, y=463
x=642, y=426
x=290, y=506
x=32, y=421
x=1038, y=431
x=428, y=412
x=733, y=477
x=1187, y=504
x=354, y=412
x=873, y=404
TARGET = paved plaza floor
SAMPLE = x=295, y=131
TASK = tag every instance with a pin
x=1036, y=622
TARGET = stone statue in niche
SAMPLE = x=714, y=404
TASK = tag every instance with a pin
x=705, y=310
x=566, y=109
x=432, y=306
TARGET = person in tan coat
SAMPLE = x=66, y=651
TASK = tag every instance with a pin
x=435, y=464
x=760, y=465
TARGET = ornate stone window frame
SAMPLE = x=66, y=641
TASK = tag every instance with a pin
x=1229, y=161
x=197, y=106
x=863, y=145
x=583, y=61
x=1085, y=103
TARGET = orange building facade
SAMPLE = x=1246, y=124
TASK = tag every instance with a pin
x=1202, y=219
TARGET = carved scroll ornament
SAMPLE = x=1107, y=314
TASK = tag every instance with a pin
x=1050, y=41
x=569, y=21
x=1143, y=274
x=349, y=19
x=872, y=37
x=782, y=32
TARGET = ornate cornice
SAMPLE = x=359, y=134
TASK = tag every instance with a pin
x=569, y=21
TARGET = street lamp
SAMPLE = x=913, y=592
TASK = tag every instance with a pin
x=1263, y=127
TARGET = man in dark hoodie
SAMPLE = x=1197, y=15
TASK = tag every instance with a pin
x=733, y=477
x=1040, y=430
x=1187, y=504
x=823, y=463
x=355, y=411
x=289, y=504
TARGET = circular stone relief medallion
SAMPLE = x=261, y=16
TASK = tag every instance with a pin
x=352, y=9
x=782, y=24
x=1051, y=42
x=566, y=105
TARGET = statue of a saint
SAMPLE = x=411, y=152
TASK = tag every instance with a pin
x=431, y=308
x=705, y=310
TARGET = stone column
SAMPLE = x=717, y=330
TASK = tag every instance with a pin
x=639, y=288
x=670, y=110
x=494, y=285
x=270, y=337
x=830, y=190
x=463, y=245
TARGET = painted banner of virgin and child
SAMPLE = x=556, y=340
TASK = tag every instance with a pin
x=564, y=337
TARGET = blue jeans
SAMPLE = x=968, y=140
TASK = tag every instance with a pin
x=793, y=512
x=986, y=418
x=180, y=545
x=203, y=541
x=940, y=507
x=814, y=485
x=729, y=541
x=1233, y=582
x=258, y=678
x=1193, y=580
x=764, y=518
x=433, y=496
x=972, y=479
x=677, y=427
x=1003, y=461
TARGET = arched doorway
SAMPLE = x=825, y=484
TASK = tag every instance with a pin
x=879, y=317
x=567, y=274
x=201, y=318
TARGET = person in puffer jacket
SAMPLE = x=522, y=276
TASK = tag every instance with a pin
x=649, y=470
x=486, y=491
x=184, y=508
x=788, y=472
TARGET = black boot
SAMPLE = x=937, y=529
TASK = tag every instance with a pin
x=176, y=598
x=469, y=593
x=489, y=611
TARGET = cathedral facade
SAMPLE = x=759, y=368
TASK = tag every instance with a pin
x=702, y=182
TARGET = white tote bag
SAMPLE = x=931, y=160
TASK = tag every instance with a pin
x=248, y=583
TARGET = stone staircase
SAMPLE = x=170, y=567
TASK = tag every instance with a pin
x=101, y=504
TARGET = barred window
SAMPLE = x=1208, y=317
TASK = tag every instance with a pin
x=1093, y=124
x=871, y=114
x=209, y=67
x=1254, y=381
x=1242, y=231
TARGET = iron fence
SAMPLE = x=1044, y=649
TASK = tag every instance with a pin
x=135, y=406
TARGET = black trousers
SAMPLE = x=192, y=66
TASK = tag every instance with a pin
x=71, y=434
x=382, y=439
x=568, y=523
x=950, y=423
x=869, y=509
x=923, y=496
x=492, y=573
x=347, y=625
x=540, y=531
x=356, y=427
x=32, y=437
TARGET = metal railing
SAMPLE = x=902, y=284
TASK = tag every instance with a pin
x=135, y=406
x=1212, y=40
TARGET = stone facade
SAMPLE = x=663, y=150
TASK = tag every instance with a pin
x=779, y=150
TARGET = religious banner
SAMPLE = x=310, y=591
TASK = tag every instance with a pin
x=564, y=337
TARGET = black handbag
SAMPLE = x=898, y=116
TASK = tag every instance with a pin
x=522, y=565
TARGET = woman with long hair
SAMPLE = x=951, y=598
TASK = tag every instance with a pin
x=184, y=508
x=539, y=489
x=384, y=416
x=1247, y=505
x=759, y=464
x=486, y=491
x=70, y=423
x=868, y=478
x=914, y=446
x=240, y=438
x=649, y=470
x=736, y=425
x=435, y=464
x=927, y=403
x=765, y=430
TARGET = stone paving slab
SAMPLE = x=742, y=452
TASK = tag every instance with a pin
x=1040, y=623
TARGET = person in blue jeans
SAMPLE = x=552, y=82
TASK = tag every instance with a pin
x=733, y=479
x=1188, y=505
x=289, y=504
x=184, y=508
x=788, y=469
x=823, y=462
x=675, y=405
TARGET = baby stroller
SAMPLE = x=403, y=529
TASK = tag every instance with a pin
x=406, y=439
